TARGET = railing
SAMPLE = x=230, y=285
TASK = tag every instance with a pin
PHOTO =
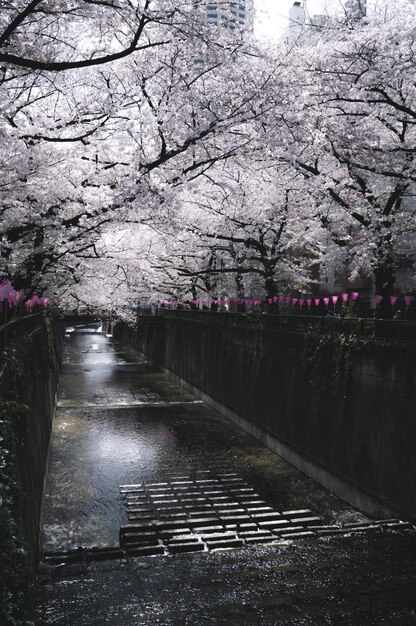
x=398, y=330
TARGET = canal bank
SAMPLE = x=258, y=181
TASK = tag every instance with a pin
x=335, y=397
x=157, y=511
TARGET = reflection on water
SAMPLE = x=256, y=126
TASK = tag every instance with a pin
x=93, y=453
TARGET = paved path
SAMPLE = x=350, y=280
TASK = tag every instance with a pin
x=158, y=511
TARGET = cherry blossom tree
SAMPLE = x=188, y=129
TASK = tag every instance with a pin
x=353, y=123
x=174, y=160
x=102, y=131
x=250, y=221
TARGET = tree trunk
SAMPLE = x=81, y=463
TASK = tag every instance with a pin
x=384, y=283
x=271, y=290
x=239, y=282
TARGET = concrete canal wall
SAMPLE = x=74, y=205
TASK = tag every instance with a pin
x=339, y=408
x=29, y=368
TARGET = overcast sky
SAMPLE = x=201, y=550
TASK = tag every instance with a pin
x=272, y=15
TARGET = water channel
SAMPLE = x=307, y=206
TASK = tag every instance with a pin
x=132, y=450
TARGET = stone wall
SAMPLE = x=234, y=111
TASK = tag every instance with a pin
x=339, y=408
x=29, y=370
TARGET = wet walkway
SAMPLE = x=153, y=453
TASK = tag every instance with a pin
x=158, y=511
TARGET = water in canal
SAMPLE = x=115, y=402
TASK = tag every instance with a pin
x=130, y=448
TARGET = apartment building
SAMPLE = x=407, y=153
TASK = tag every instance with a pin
x=230, y=15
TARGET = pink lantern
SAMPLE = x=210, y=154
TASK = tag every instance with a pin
x=5, y=289
x=275, y=299
x=294, y=300
x=326, y=301
x=31, y=303
x=393, y=300
x=317, y=301
x=18, y=296
x=334, y=299
x=408, y=300
x=301, y=302
x=309, y=302
x=354, y=295
x=270, y=300
x=288, y=299
x=345, y=297
x=378, y=298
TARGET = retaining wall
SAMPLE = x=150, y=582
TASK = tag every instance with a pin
x=343, y=412
x=29, y=371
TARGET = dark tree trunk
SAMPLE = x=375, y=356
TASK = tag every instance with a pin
x=239, y=282
x=271, y=291
x=384, y=283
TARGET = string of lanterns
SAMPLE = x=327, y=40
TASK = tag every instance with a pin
x=11, y=297
x=316, y=301
x=290, y=300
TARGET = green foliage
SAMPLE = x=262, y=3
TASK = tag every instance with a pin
x=14, y=572
x=327, y=359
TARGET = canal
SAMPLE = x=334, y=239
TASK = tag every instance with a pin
x=159, y=511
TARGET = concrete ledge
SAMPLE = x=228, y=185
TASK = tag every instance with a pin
x=341, y=488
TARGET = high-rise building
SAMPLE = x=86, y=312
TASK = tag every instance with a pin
x=297, y=19
x=301, y=26
x=230, y=15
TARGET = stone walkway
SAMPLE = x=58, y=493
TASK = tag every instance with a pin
x=157, y=511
